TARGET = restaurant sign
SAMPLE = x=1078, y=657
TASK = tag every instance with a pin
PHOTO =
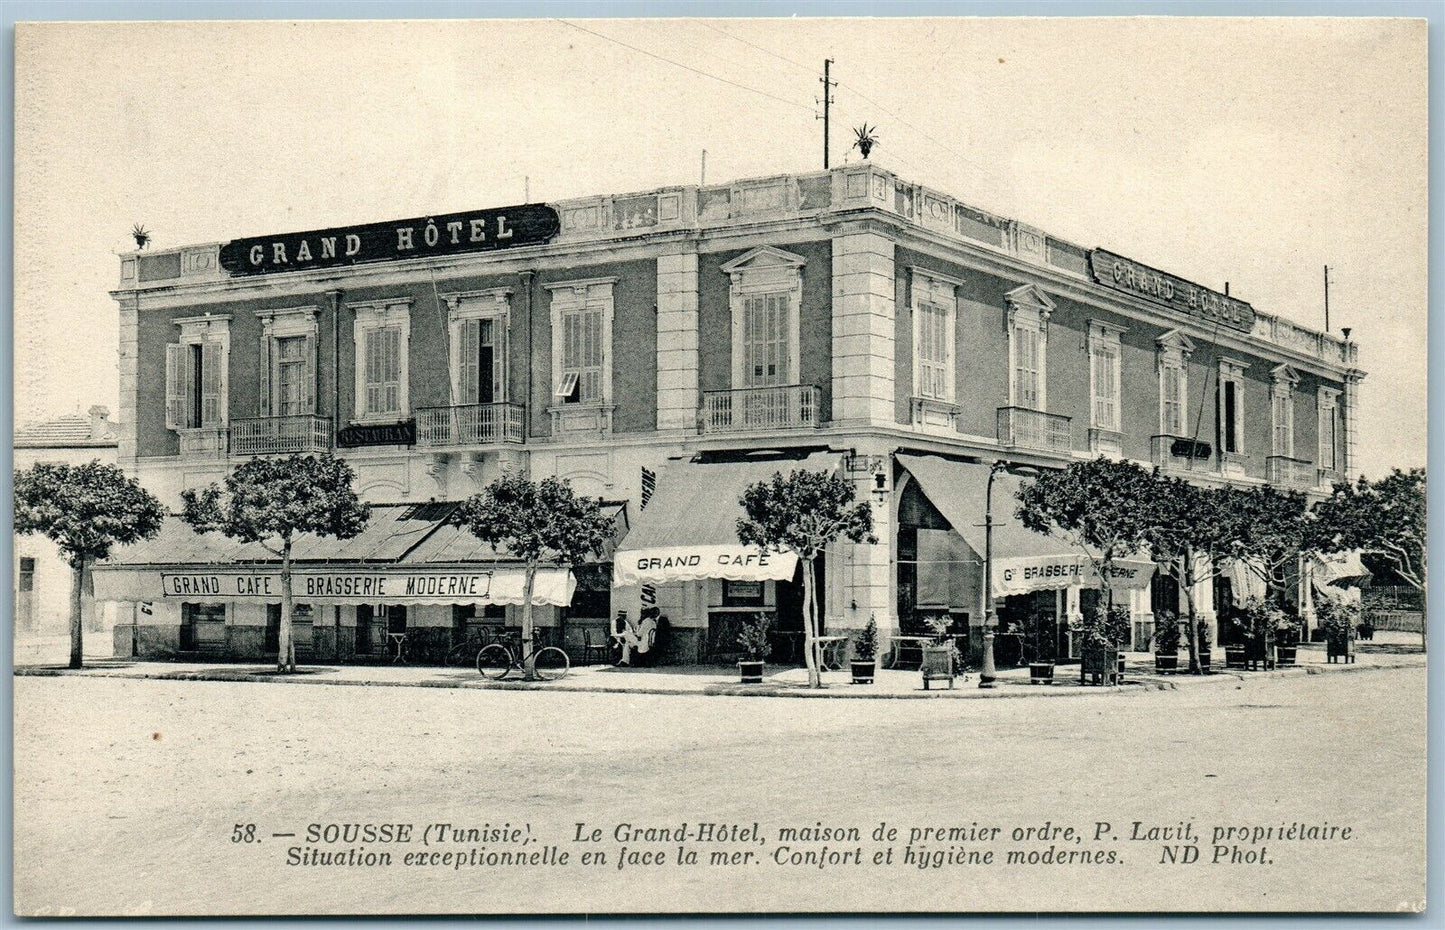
x=377, y=434
x=1127, y=275
x=1022, y=574
x=312, y=586
x=450, y=234
x=694, y=563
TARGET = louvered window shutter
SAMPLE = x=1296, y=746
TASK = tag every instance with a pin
x=309, y=358
x=176, y=386
x=212, y=383
x=263, y=406
x=470, y=349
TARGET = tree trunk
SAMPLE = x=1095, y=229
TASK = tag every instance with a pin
x=286, y=650
x=77, y=574
x=529, y=661
x=810, y=627
x=1186, y=584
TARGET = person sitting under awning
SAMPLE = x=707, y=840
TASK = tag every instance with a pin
x=639, y=637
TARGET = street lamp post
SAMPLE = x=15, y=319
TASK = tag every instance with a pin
x=988, y=675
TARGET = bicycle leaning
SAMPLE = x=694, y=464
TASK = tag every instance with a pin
x=497, y=660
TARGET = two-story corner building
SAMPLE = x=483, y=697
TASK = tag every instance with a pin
x=660, y=351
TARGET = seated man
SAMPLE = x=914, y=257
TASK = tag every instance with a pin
x=631, y=637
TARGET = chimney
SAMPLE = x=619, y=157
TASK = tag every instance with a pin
x=99, y=421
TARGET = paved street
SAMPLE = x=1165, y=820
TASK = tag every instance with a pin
x=128, y=792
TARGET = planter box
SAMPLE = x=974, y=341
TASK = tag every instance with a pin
x=1205, y=659
x=1041, y=673
x=751, y=672
x=1235, y=656
x=1339, y=650
x=863, y=672
x=1284, y=656
x=1166, y=662
x=1100, y=664
x=937, y=664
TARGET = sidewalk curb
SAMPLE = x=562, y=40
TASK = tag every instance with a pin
x=969, y=692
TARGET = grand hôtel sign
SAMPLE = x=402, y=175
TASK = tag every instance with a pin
x=1127, y=275
x=452, y=234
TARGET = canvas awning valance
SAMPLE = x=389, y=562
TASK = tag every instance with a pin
x=1023, y=560
x=1339, y=568
x=689, y=530
x=408, y=554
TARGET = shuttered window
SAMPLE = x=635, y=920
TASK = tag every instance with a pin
x=1171, y=400
x=1229, y=419
x=935, y=351
x=1027, y=391
x=479, y=362
x=1283, y=410
x=382, y=371
x=581, y=356
x=195, y=385
x=1105, y=388
x=765, y=341
x=1329, y=434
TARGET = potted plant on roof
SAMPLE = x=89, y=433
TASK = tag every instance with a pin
x=1166, y=641
x=865, y=653
x=756, y=644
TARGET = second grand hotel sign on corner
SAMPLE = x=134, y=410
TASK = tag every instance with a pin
x=1125, y=274
x=451, y=234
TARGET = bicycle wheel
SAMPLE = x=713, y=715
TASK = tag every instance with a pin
x=494, y=662
x=460, y=655
x=552, y=663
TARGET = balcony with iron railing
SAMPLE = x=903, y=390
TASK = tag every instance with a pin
x=1180, y=453
x=1022, y=428
x=790, y=406
x=280, y=435
x=470, y=425
x=1289, y=472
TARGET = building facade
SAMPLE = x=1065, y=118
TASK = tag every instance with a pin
x=42, y=576
x=654, y=348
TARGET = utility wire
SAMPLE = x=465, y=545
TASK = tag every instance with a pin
x=706, y=74
x=796, y=64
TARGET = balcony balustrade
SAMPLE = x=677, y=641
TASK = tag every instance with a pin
x=1290, y=472
x=792, y=406
x=1023, y=428
x=280, y=435
x=470, y=425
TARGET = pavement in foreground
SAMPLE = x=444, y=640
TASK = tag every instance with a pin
x=129, y=793
x=778, y=681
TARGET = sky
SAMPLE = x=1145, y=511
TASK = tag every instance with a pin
x=1247, y=151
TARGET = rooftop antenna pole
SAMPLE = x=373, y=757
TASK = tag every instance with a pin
x=702, y=177
x=1327, y=298
x=828, y=86
x=526, y=188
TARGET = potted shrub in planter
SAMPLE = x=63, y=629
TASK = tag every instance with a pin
x=1338, y=620
x=1286, y=640
x=1101, y=633
x=938, y=656
x=1166, y=642
x=753, y=638
x=1205, y=653
x=1039, y=643
x=865, y=653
